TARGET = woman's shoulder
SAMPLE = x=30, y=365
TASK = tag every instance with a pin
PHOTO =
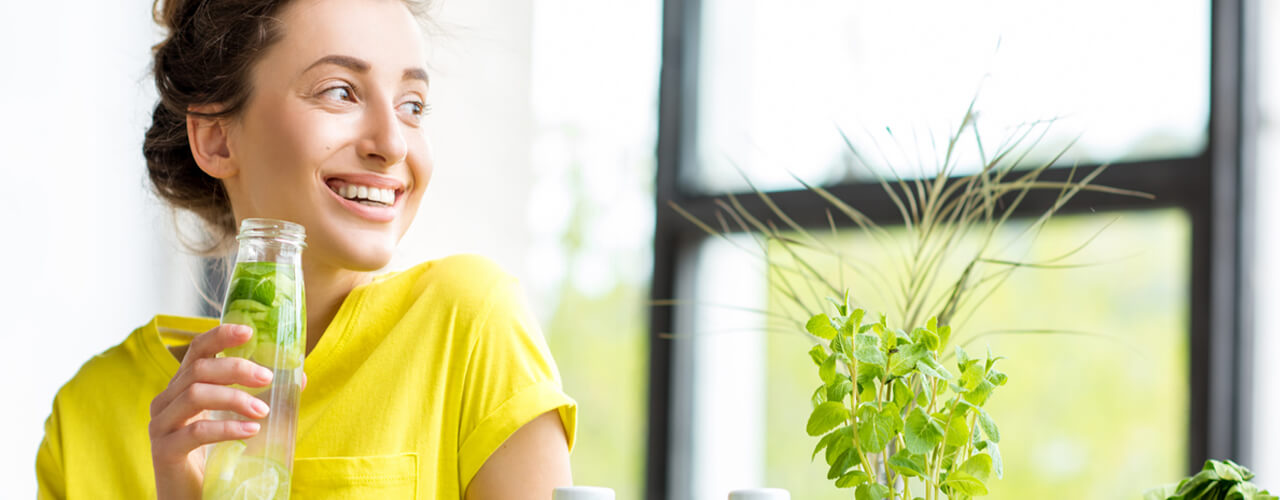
x=115, y=372
x=466, y=268
x=463, y=277
x=468, y=289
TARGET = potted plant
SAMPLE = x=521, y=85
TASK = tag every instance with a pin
x=899, y=409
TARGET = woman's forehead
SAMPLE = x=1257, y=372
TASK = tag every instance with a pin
x=380, y=33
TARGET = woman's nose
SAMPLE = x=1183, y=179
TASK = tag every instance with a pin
x=383, y=138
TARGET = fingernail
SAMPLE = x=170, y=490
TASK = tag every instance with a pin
x=250, y=426
x=259, y=407
x=264, y=374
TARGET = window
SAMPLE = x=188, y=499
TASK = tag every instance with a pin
x=1154, y=87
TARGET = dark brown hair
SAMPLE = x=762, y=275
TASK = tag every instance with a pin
x=206, y=58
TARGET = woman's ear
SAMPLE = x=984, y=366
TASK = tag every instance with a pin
x=209, y=142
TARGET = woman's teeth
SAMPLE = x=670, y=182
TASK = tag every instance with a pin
x=368, y=194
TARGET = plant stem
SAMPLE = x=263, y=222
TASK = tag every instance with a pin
x=853, y=418
x=945, y=430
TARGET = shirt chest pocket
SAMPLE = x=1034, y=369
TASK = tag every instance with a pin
x=389, y=477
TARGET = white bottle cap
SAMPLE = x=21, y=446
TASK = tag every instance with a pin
x=760, y=494
x=582, y=493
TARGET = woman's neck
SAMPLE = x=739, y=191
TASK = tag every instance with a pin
x=327, y=288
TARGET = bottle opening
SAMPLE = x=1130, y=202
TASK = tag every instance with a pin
x=274, y=229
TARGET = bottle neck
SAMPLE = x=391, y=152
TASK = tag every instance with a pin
x=271, y=240
x=269, y=250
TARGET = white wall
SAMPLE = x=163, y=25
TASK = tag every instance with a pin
x=481, y=130
x=1266, y=275
x=89, y=252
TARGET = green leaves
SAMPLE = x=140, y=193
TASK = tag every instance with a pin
x=866, y=348
x=877, y=427
x=818, y=354
x=825, y=417
x=873, y=376
x=978, y=466
x=839, y=388
x=972, y=477
x=852, y=479
x=957, y=430
x=842, y=443
x=904, y=361
x=929, y=366
x=993, y=450
x=828, y=369
x=1225, y=480
x=820, y=326
x=922, y=433
x=908, y=464
x=988, y=425
x=1229, y=471
x=871, y=491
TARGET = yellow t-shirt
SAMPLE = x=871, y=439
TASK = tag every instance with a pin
x=417, y=381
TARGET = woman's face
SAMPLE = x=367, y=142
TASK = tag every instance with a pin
x=332, y=136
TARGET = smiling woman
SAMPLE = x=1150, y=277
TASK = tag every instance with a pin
x=434, y=382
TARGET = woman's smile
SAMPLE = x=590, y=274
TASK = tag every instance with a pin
x=369, y=196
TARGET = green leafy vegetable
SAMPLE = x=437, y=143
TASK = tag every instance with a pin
x=1218, y=480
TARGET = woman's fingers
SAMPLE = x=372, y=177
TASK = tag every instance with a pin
x=223, y=371
x=200, y=397
x=204, y=382
x=212, y=342
x=203, y=348
x=202, y=432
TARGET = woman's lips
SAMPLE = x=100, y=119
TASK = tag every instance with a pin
x=377, y=189
x=369, y=212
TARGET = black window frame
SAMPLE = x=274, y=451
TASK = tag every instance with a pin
x=1208, y=186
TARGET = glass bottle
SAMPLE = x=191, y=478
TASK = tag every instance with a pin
x=266, y=293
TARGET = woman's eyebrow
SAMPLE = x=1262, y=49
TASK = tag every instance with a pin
x=352, y=63
x=417, y=74
x=361, y=66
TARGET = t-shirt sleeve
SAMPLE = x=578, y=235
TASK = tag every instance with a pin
x=510, y=379
x=50, y=473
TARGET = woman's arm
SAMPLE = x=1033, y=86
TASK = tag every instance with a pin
x=531, y=463
x=50, y=474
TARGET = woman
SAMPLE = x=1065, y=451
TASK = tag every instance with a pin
x=429, y=383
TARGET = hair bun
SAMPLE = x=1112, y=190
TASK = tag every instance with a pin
x=169, y=14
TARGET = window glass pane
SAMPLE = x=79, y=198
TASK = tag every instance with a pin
x=778, y=77
x=1098, y=414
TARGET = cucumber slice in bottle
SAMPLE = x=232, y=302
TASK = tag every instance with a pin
x=248, y=306
x=265, y=355
x=265, y=291
x=223, y=458
x=259, y=478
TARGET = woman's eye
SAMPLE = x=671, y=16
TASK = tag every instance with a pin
x=342, y=93
x=415, y=108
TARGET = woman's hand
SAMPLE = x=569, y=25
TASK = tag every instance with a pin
x=178, y=427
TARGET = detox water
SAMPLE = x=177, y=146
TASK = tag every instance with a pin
x=265, y=293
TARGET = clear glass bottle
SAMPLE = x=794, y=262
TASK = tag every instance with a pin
x=265, y=293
